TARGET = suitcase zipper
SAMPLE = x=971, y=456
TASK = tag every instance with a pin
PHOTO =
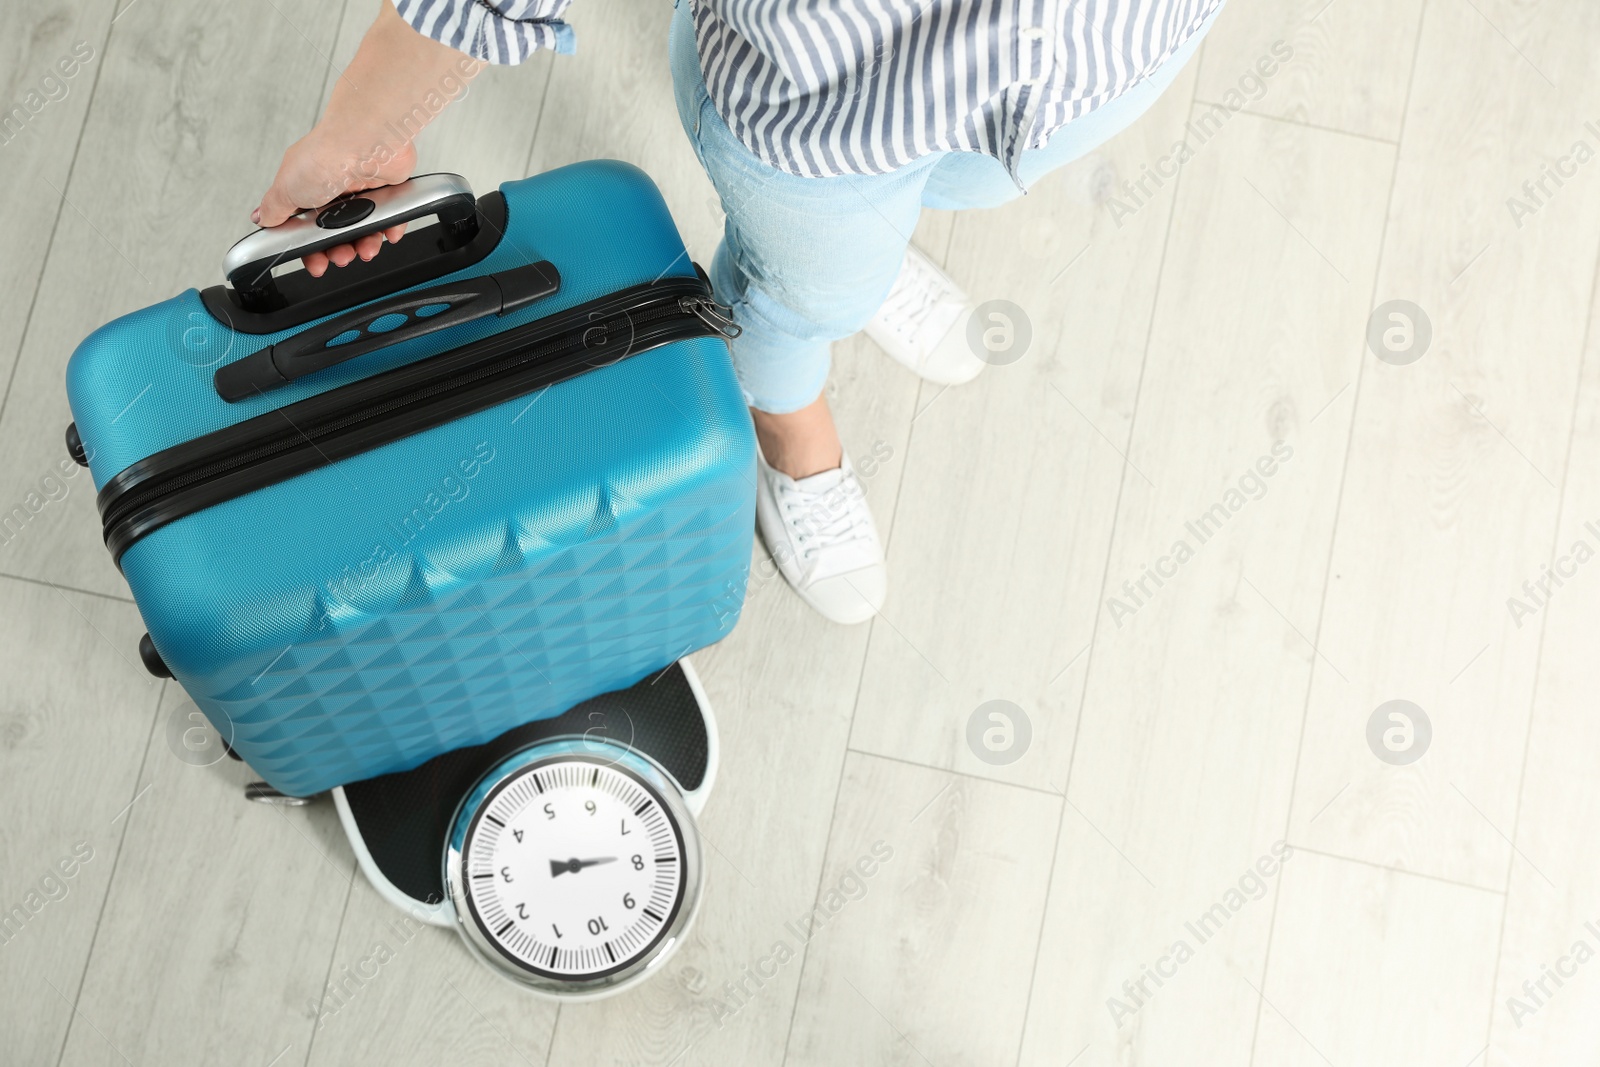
x=366, y=414
x=712, y=314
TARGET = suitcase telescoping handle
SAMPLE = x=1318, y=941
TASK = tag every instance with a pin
x=248, y=264
x=383, y=323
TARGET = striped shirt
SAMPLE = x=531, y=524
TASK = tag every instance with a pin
x=822, y=88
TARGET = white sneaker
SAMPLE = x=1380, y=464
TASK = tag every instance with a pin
x=923, y=323
x=823, y=539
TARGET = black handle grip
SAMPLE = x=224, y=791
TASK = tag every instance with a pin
x=373, y=326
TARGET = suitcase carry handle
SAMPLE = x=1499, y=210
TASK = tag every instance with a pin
x=248, y=264
x=384, y=323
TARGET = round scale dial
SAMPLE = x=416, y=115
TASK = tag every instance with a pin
x=573, y=867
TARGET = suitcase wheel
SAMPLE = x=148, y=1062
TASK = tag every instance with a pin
x=263, y=793
x=80, y=455
x=152, y=659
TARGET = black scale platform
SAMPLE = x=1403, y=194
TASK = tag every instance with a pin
x=405, y=817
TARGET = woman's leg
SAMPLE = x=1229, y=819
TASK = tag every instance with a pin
x=803, y=262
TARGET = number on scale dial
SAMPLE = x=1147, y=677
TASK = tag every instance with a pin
x=574, y=868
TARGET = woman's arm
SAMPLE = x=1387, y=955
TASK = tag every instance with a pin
x=397, y=82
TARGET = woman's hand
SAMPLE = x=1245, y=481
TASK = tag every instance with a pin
x=322, y=165
x=394, y=86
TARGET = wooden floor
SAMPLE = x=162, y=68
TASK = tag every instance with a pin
x=1199, y=859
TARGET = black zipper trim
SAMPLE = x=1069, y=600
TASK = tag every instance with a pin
x=363, y=415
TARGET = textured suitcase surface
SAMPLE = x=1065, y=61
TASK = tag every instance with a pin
x=438, y=590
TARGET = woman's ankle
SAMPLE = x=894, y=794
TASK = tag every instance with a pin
x=799, y=443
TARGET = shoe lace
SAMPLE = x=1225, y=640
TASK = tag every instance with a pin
x=829, y=518
x=912, y=299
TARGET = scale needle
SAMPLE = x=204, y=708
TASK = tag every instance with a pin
x=575, y=865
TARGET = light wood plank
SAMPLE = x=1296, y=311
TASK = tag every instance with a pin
x=926, y=919
x=219, y=927
x=1554, y=884
x=1450, y=498
x=75, y=715
x=193, y=109
x=1347, y=67
x=44, y=108
x=399, y=991
x=1011, y=488
x=1181, y=775
x=1374, y=967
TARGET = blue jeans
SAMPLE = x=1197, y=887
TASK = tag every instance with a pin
x=806, y=261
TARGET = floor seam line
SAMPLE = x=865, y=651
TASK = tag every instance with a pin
x=1395, y=144
x=55, y=225
x=111, y=878
x=327, y=974
x=1389, y=868
x=1110, y=550
x=902, y=761
x=65, y=588
x=1544, y=630
x=855, y=704
x=1333, y=527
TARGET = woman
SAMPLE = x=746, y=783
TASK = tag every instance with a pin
x=825, y=126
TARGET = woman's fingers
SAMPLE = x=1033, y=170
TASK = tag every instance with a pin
x=366, y=247
x=339, y=255
x=342, y=255
x=275, y=207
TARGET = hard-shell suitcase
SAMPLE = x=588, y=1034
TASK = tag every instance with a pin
x=378, y=516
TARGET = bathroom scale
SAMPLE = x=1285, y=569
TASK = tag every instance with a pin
x=565, y=851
